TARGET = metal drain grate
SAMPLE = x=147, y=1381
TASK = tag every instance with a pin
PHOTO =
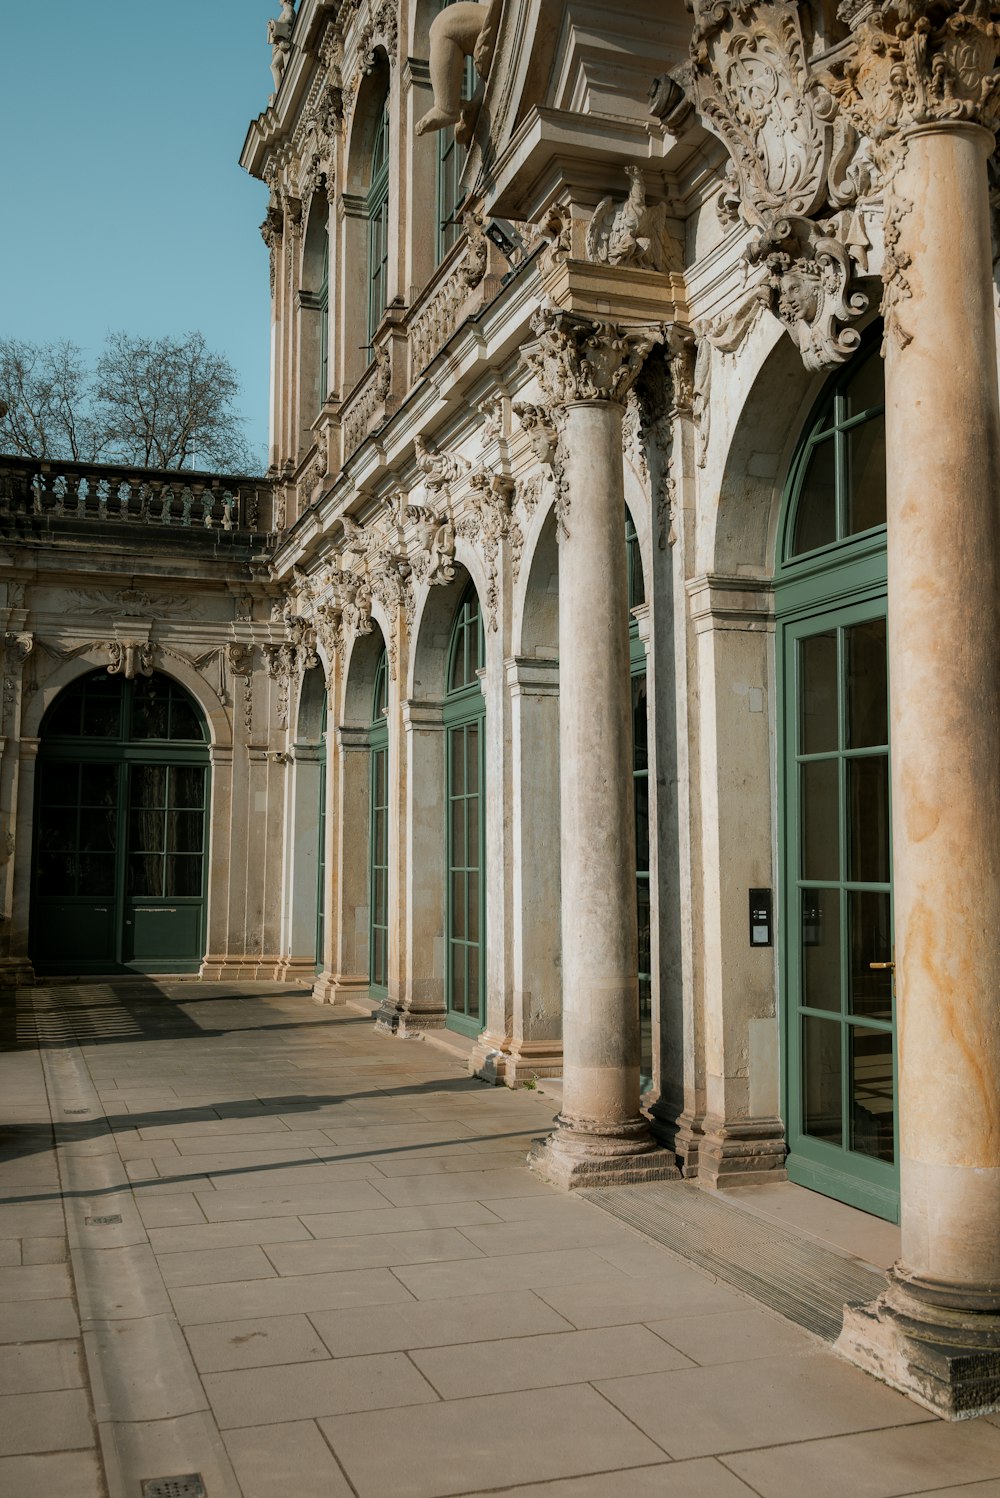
x=100, y=1222
x=188, y=1486
x=795, y=1276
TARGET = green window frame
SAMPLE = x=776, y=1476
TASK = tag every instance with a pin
x=837, y=1013
x=378, y=906
x=465, y=825
x=377, y=207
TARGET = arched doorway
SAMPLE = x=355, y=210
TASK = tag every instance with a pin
x=465, y=806
x=121, y=829
x=838, y=998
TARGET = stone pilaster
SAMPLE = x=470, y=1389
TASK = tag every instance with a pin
x=923, y=86
x=585, y=370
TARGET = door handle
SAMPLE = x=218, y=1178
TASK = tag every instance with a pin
x=882, y=966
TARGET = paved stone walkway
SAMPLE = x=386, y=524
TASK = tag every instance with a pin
x=305, y=1261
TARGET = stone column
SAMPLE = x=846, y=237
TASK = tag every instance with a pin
x=936, y=1332
x=350, y=910
x=601, y=1138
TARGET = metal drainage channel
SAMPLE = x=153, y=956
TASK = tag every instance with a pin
x=795, y=1276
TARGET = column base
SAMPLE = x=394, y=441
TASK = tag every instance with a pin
x=233, y=969
x=584, y=1154
x=406, y=1024
x=511, y=1062
x=915, y=1338
x=16, y=972
x=742, y=1152
x=683, y=1134
x=297, y=970
x=335, y=988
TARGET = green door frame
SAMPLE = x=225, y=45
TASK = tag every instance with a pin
x=465, y=712
x=378, y=835
x=826, y=581
x=321, y=850
x=125, y=754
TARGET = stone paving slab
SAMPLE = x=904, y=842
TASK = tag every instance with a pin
x=333, y=1277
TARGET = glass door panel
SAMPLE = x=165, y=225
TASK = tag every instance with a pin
x=379, y=923
x=164, y=874
x=77, y=842
x=839, y=1010
x=466, y=891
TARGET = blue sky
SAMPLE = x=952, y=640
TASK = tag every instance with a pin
x=123, y=202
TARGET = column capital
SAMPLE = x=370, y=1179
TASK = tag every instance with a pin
x=914, y=65
x=576, y=359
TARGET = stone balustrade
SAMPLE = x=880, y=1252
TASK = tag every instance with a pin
x=111, y=493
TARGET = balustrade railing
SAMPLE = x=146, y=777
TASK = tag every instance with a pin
x=160, y=498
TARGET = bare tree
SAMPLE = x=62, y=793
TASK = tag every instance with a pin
x=168, y=403
x=46, y=390
x=161, y=403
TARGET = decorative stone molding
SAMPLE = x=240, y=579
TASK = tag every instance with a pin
x=793, y=157
x=668, y=103
x=239, y=659
x=491, y=411
x=631, y=233
x=913, y=66
x=361, y=410
x=130, y=658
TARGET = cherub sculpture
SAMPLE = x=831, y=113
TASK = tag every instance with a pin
x=279, y=35
x=459, y=31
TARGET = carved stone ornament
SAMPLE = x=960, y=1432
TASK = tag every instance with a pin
x=575, y=359
x=915, y=63
x=473, y=267
x=456, y=33
x=793, y=158
x=130, y=658
x=631, y=233
x=439, y=469
x=433, y=559
x=493, y=520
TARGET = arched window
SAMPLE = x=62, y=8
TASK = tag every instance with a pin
x=377, y=204
x=451, y=159
x=378, y=740
x=836, y=890
x=464, y=716
x=838, y=480
x=121, y=828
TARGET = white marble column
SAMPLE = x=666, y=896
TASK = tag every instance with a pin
x=936, y=1332
x=601, y=1138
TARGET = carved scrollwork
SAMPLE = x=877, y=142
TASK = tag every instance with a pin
x=130, y=658
x=794, y=156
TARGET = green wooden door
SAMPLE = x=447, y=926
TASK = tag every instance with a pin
x=837, y=992
x=120, y=829
x=839, y=1009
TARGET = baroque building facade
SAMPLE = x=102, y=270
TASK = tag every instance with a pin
x=634, y=423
